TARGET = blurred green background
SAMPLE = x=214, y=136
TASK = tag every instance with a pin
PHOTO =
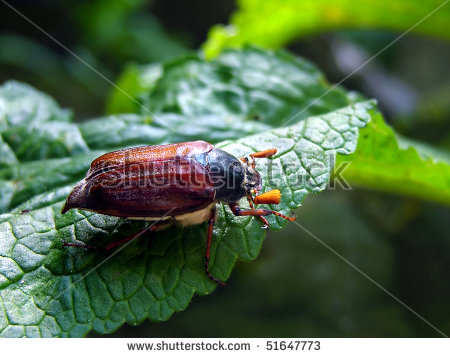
x=297, y=287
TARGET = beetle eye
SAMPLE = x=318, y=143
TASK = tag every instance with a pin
x=244, y=160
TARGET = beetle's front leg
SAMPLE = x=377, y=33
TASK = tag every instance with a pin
x=257, y=212
x=262, y=218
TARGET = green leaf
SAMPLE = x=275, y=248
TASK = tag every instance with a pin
x=48, y=290
x=134, y=80
x=384, y=162
x=273, y=24
x=22, y=105
x=51, y=291
x=240, y=92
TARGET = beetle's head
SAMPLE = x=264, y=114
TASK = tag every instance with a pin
x=252, y=180
x=252, y=177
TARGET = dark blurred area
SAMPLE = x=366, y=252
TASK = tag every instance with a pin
x=297, y=287
x=106, y=34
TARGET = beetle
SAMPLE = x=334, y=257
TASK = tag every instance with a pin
x=172, y=183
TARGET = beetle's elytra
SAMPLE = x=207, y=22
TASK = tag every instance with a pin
x=173, y=183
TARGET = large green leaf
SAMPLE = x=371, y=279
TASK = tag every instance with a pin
x=48, y=290
x=239, y=92
x=272, y=24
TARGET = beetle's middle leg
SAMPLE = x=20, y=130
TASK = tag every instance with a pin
x=159, y=225
x=257, y=212
x=211, y=222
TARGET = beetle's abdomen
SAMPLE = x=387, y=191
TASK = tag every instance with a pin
x=153, y=188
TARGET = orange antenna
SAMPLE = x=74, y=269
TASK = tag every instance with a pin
x=264, y=154
x=270, y=197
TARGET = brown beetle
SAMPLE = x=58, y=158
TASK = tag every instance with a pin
x=173, y=183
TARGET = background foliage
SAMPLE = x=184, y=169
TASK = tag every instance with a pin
x=400, y=240
x=289, y=19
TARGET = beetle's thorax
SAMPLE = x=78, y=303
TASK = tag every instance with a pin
x=232, y=178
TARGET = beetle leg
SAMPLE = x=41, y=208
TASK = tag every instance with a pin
x=262, y=218
x=257, y=212
x=211, y=222
x=154, y=227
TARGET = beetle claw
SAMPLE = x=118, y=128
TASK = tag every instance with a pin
x=265, y=227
